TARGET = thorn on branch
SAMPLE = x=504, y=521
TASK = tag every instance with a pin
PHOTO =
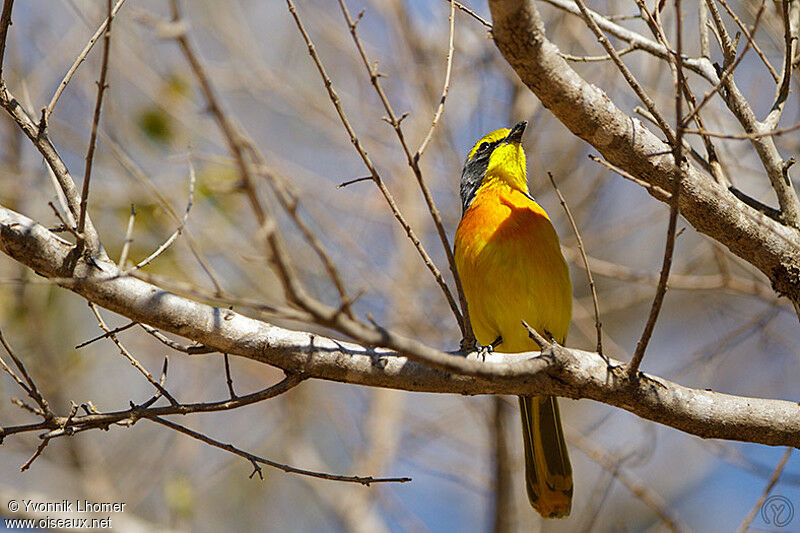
x=350, y=182
x=42, y=123
x=359, y=17
x=256, y=470
x=38, y=452
x=543, y=343
x=228, y=378
x=785, y=170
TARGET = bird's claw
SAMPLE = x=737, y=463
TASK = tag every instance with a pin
x=483, y=351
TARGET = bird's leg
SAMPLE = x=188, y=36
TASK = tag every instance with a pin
x=489, y=348
x=466, y=347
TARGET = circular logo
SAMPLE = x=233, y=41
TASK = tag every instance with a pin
x=777, y=511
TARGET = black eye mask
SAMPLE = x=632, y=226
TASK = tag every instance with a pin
x=474, y=172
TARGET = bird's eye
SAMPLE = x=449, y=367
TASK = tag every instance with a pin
x=483, y=146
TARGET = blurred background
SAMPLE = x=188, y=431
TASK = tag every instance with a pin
x=630, y=474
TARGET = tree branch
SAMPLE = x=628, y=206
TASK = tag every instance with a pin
x=558, y=371
x=626, y=143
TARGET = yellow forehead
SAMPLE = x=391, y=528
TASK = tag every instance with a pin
x=496, y=135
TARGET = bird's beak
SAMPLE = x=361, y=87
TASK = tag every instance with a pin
x=515, y=136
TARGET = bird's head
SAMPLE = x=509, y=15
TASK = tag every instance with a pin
x=499, y=155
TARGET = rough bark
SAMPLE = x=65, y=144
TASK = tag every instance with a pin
x=562, y=372
x=624, y=141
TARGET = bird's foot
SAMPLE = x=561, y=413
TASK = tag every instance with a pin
x=483, y=351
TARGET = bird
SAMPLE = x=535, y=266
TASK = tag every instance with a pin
x=511, y=268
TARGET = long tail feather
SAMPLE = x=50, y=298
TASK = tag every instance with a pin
x=548, y=473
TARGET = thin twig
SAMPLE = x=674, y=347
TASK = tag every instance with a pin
x=771, y=212
x=727, y=74
x=700, y=66
x=626, y=73
x=598, y=325
x=237, y=144
x=472, y=14
x=782, y=90
x=711, y=166
x=684, y=282
x=97, y=420
x=639, y=489
x=749, y=37
x=773, y=480
x=41, y=141
x=126, y=244
x=5, y=22
x=166, y=341
x=134, y=170
x=36, y=454
x=124, y=351
x=702, y=26
x=230, y=132
x=334, y=97
x=255, y=460
x=726, y=43
x=462, y=316
x=291, y=204
x=178, y=231
x=687, y=146
x=745, y=136
x=632, y=369
x=592, y=59
x=655, y=190
x=228, y=378
x=101, y=89
x=29, y=386
x=61, y=219
x=105, y=335
x=351, y=182
x=437, y=115
x=79, y=60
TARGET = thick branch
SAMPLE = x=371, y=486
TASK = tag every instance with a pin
x=563, y=372
x=625, y=142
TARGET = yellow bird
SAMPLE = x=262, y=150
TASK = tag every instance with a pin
x=511, y=268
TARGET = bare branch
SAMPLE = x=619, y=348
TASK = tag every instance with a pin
x=362, y=480
x=598, y=325
x=776, y=474
x=749, y=37
x=627, y=144
x=562, y=371
x=438, y=114
x=166, y=244
x=126, y=244
x=41, y=141
x=462, y=314
x=5, y=23
x=677, y=151
x=29, y=386
x=638, y=488
x=782, y=89
x=124, y=351
x=626, y=73
x=61, y=86
x=701, y=66
x=472, y=14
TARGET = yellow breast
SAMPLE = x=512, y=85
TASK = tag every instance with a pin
x=511, y=267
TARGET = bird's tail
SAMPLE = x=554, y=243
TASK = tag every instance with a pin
x=548, y=473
